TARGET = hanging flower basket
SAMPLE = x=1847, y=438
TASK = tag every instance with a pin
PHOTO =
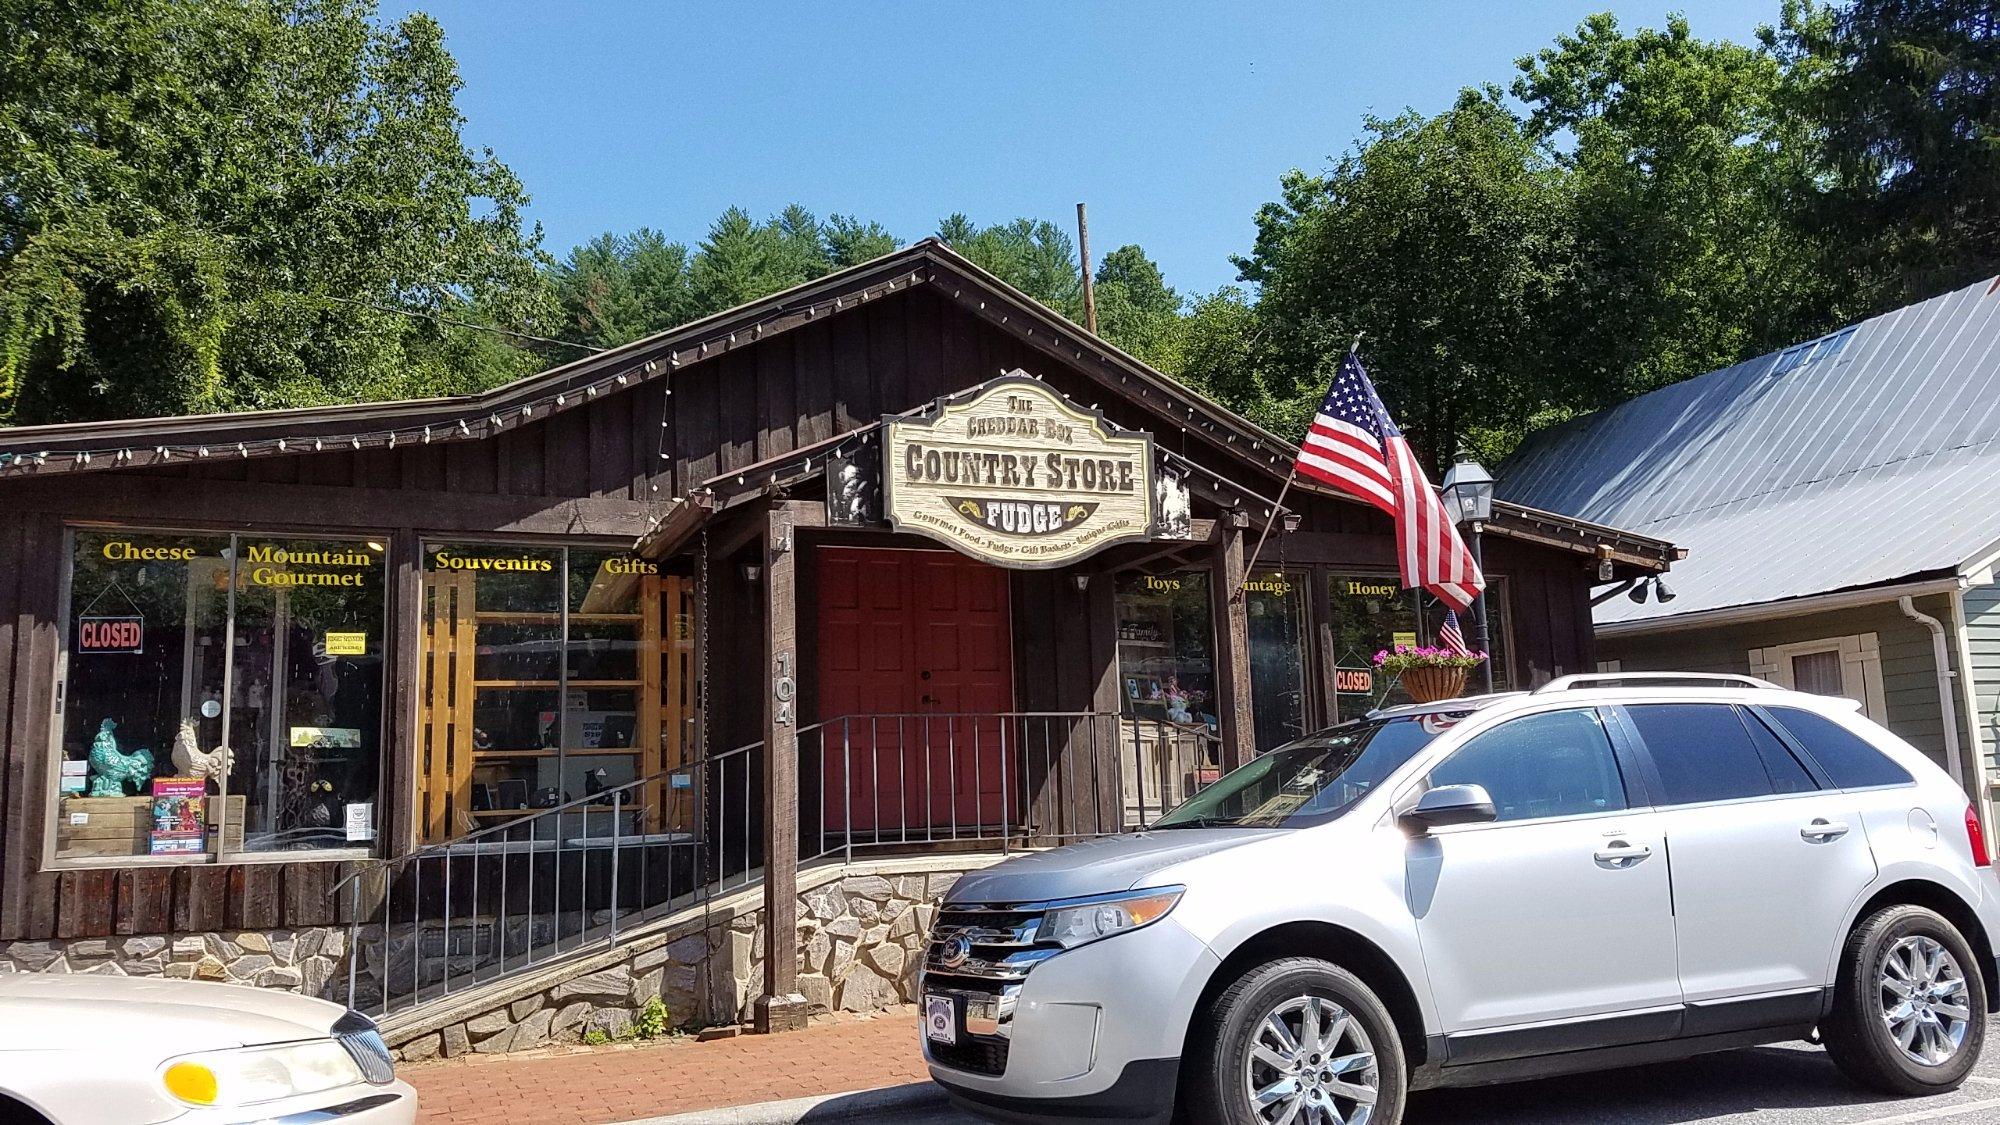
x=1429, y=674
x=1429, y=685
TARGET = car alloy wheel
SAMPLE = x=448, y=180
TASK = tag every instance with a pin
x=1311, y=1063
x=1924, y=1001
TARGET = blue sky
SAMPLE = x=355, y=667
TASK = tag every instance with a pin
x=1171, y=120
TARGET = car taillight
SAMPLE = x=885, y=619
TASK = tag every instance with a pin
x=1977, y=836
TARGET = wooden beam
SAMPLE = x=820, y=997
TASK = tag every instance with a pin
x=1232, y=638
x=688, y=515
x=260, y=506
x=781, y=1007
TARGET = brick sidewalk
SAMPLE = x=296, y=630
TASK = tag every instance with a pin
x=593, y=1086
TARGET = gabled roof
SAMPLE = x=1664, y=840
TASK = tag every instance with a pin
x=1862, y=458
x=122, y=443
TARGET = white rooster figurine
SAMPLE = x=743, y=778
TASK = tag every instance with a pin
x=191, y=761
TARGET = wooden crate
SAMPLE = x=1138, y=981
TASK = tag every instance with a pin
x=123, y=826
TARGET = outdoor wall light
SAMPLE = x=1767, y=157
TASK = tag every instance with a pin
x=752, y=572
x=1292, y=522
x=1082, y=583
x=1468, y=491
x=1662, y=591
x=1638, y=593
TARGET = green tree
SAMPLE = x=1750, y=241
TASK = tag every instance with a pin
x=849, y=241
x=1218, y=351
x=614, y=289
x=1032, y=255
x=1686, y=167
x=1137, y=310
x=1906, y=96
x=1446, y=241
x=204, y=204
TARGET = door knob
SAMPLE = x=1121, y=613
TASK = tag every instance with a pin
x=1823, y=831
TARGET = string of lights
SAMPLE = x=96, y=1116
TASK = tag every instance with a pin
x=480, y=421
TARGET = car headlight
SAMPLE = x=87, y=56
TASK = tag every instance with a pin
x=1082, y=922
x=248, y=1075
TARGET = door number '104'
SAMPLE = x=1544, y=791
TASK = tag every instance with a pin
x=783, y=689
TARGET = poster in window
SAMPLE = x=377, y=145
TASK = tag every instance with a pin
x=179, y=805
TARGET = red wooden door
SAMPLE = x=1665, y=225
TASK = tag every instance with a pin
x=912, y=644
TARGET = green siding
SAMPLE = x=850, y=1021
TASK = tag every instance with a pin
x=1982, y=636
x=1909, y=674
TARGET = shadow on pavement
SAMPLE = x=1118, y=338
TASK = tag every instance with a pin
x=1766, y=1080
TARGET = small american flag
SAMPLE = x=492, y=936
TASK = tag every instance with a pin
x=1450, y=636
x=1355, y=447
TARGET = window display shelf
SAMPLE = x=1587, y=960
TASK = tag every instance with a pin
x=550, y=752
x=554, y=685
x=530, y=617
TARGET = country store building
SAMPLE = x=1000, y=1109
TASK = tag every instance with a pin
x=503, y=715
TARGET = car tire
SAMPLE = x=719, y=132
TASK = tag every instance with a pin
x=1926, y=1042
x=1252, y=1039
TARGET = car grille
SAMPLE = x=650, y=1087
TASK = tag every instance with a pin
x=999, y=948
x=364, y=1045
x=976, y=1055
x=1003, y=946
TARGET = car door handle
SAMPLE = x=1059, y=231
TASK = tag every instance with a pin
x=1621, y=854
x=1823, y=831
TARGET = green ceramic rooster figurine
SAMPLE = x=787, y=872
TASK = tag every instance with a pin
x=113, y=770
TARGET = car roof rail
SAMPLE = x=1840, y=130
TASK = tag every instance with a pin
x=1606, y=679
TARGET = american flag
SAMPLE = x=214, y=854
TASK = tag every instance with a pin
x=1354, y=446
x=1451, y=636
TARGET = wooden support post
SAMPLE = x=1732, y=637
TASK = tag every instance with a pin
x=1232, y=637
x=781, y=1007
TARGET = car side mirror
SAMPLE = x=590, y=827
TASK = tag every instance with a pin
x=1447, y=805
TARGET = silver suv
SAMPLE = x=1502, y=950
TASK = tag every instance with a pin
x=1607, y=871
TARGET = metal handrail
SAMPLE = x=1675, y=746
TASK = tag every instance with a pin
x=444, y=847
x=888, y=780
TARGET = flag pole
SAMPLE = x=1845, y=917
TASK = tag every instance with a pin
x=1278, y=505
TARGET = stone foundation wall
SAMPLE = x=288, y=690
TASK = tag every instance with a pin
x=861, y=932
x=311, y=960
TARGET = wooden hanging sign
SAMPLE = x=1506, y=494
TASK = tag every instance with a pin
x=1019, y=476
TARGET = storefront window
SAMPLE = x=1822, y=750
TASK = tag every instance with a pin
x=1275, y=602
x=1166, y=647
x=306, y=692
x=1371, y=612
x=222, y=694
x=564, y=699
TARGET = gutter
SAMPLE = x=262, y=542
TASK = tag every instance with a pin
x=1947, y=698
x=1764, y=611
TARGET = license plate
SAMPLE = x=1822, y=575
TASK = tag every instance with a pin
x=940, y=1020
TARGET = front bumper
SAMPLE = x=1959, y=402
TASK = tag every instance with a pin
x=394, y=1104
x=1090, y=1033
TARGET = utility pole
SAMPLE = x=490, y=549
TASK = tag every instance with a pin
x=1089, y=286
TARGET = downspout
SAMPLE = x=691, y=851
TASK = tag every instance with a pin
x=1947, y=698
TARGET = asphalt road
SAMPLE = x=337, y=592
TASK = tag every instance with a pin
x=1788, y=1085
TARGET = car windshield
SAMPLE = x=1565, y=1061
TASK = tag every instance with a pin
x=1313, y=780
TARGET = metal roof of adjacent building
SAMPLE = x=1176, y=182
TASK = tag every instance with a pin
x=1867, y=456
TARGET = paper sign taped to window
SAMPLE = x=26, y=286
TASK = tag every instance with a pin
x=326, y=738
x=361, y=820
x=347, y=644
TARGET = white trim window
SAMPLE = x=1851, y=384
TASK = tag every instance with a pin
x=1849, y=666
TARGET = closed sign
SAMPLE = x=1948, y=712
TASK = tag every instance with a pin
x=111, y=634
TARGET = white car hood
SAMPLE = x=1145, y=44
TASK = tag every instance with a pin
x=62, y=1011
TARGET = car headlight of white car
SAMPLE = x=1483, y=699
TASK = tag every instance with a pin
x=249, y=1075
x=1080, y=923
